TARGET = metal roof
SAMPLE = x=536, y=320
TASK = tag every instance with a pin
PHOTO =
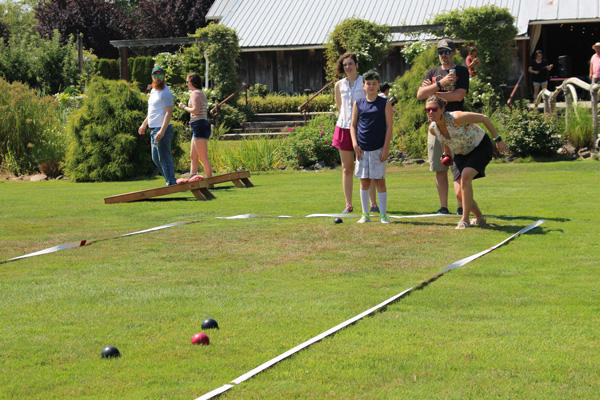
x=308, y=23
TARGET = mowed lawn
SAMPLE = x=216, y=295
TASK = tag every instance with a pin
x=520, y=322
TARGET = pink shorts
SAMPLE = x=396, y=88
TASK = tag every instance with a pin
x=342, y=139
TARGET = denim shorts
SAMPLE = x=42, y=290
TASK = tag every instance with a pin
x=200, y=129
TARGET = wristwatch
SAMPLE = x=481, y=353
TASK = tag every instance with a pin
x=498, y=139
x=439, y=85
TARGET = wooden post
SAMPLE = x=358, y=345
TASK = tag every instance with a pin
x=80, y=53
x=567, y=103
x=123, y=54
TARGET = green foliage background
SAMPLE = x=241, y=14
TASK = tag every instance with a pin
x=491, y=29
x=104, y=141
x=29, y=128
x=223, y=51
x=410, y=131
x=370, y=42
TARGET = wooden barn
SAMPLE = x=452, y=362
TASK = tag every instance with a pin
x=282, y=41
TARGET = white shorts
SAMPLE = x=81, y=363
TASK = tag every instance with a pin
x=370, y=166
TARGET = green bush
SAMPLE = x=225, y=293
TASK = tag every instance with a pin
x=481, y=97
x=222, y=49
x=579, y=130
x=107, y=68
x=277, y=103
x=45, y=64
x=492, y=30
x=410, y=128
x=258, y=90
x=370, y=42
x=528, y=133
x=29, y=133
x=141, y=71
x=229, y=116
x=104, y=141
x=310, y=144
x=174, y=66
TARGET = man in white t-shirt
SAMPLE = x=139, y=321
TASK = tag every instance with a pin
x=160, y=111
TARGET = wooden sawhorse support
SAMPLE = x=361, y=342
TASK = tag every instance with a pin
x=240, y=179
x=198, y=188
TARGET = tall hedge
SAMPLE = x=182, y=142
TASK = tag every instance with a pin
x=107, y=68
x=141, y=71
x=103, y=133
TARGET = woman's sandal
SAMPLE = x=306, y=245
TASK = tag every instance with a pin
x=479, y=222
x=462, y=224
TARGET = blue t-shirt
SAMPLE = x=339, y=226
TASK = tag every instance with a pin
x=371, y=129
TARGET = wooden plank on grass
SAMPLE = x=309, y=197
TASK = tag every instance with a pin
x=162, y=191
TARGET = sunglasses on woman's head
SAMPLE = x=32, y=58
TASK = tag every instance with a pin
x=446, y=52
x=431, y=109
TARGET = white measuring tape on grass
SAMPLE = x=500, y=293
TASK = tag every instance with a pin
x=218, y=391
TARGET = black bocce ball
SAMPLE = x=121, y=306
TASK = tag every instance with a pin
x=110, y=352
x=338, y=220
x=210, y=323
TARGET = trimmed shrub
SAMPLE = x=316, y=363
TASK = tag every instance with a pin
x=529, y=133
x=104, y=141
x=29, y=133
x=481, y=97
x=311, y=144
x=141, y=71
x=276, y=103
x=107, y=68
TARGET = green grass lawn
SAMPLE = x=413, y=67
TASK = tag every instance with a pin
x=520, y=322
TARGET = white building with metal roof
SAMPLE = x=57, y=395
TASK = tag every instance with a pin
x=272, y=30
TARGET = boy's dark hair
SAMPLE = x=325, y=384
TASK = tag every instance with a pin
x=371, y=75
x=384, y=86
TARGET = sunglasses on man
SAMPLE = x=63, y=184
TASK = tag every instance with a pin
x=158, y=76
x=444, y=51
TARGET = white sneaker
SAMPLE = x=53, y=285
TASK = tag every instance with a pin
x=384, y=219
x=363, y=219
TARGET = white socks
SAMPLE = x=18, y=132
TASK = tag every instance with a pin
x=364, y=201
x=382, y=198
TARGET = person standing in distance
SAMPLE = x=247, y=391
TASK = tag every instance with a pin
x=160, y=111
x=347, y=91
x=595, y=64
x=451, y=83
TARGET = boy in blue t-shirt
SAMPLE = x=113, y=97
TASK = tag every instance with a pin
x=371, y=131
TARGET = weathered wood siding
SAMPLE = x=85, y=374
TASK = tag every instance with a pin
x=296, y=71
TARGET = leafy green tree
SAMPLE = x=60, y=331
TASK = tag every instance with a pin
x=49, y=65
x=222, y=49
x=370, y=42
x=491, y=29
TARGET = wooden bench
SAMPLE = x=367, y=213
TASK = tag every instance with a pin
x=200, y=189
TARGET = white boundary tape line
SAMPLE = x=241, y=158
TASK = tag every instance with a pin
x=84, y=242
x=273, y=361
